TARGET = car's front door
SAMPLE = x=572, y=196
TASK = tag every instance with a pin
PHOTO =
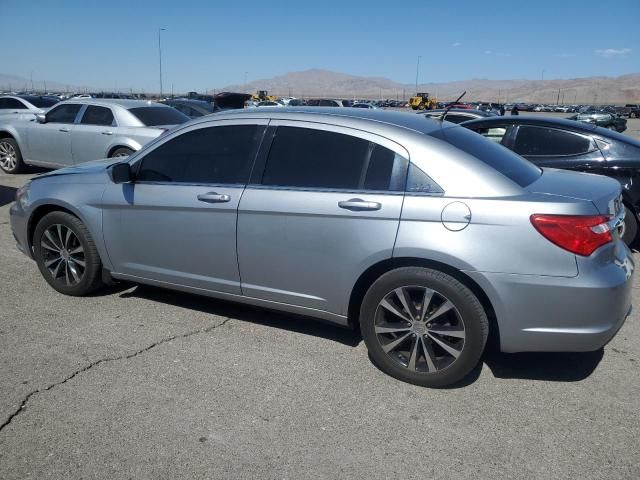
x=50, y=142
x=92, y=136
x=558, y=148
x=176, y=223
x=323, y=206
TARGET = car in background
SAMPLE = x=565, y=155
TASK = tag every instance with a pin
x=583, y=147
x=457, y=115
x=632, y=110
x=326, y=102
x=269, y=103
x=24, y=106
x=297, y=102
x=363, y=105
x=602, y=119
x=192, y=108
x=79, y=130
x=425, y=236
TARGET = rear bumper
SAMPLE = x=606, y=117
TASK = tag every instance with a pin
x=554, y=314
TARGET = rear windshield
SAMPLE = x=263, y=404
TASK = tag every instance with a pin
x=509, y=164
x=41, y=102
x=154, y=116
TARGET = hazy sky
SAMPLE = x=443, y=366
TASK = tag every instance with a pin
x=209, y=44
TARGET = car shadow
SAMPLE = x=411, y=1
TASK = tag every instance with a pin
x=547, y=366
x=554, y=367
x=7, y=195
x=247, y=313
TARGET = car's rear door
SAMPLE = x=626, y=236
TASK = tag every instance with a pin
x=92, y=135
x=176, y=224
x=50, y=142
x=322, y=206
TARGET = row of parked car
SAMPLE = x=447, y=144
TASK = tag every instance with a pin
x=49, y=134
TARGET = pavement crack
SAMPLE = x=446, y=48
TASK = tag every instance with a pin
x=26, y=399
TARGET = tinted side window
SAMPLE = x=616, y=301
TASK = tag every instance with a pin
x=208, y=155
x=307, y=158
x=97, y=116
x=64, y=113
x=541, y=141
x=12, y=103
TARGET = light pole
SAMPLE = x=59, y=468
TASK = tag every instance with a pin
x=417, y=70
x=160, y=55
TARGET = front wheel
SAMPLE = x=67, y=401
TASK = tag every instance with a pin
x=10, y=156
x=423, y=326
x=66, y=254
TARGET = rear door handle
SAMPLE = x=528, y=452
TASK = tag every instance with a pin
x=107, y=132
x=65, y=130
x=358, y=205
x=213, y=197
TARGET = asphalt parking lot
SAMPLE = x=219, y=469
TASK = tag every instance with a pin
x=138, y=382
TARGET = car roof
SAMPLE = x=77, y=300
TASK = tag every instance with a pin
x=122, y=102
x=405, y=120
x=531, y=120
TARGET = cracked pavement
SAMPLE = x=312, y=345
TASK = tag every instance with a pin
x=139, y=382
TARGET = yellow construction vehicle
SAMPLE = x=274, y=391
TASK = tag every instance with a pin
x=263, y=95
x=422, y=102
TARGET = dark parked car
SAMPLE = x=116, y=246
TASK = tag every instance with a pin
x=632, y=111
x=457, y=115
x=602, y=119
x=192, y=108
x=566, y=144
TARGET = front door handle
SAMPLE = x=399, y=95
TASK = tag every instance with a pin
x=358, y=205
x=213, y=197
x=63, y=129
x=107, y=132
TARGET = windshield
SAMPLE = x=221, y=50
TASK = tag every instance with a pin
x=154, y=116
x=509, y=164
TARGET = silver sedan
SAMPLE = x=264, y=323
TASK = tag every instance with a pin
x=425, y=235
x=80, y=130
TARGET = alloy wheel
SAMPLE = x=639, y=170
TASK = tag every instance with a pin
x=63, y=255
x=8, y=156
x=420, y=329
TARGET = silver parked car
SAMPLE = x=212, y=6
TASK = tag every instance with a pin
x=80, y=130
x=14, y=107
x=425, y=235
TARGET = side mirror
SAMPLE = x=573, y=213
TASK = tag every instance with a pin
x=41, y=118
x=121, y=173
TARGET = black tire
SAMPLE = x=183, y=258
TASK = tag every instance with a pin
x=466, y=307
x=7, y=145
x=90, y=276
x=121, y=152
x=630, y=226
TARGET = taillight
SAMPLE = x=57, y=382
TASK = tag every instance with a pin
x=580, y=234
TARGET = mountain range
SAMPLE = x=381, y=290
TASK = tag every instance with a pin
x=326, y=83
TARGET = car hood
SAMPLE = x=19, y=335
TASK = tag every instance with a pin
x=596, y=189
x=92, y=167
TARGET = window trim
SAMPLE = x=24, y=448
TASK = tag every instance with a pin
x=255, y=180
x=593, y=147
x=136, y=162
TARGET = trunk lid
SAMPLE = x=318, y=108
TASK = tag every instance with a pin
x=603, y=192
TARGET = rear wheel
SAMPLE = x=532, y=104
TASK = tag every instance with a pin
x=630, y=226
x=423, y=326
x=66, y=255
x=10, y=156
x=121, y=152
